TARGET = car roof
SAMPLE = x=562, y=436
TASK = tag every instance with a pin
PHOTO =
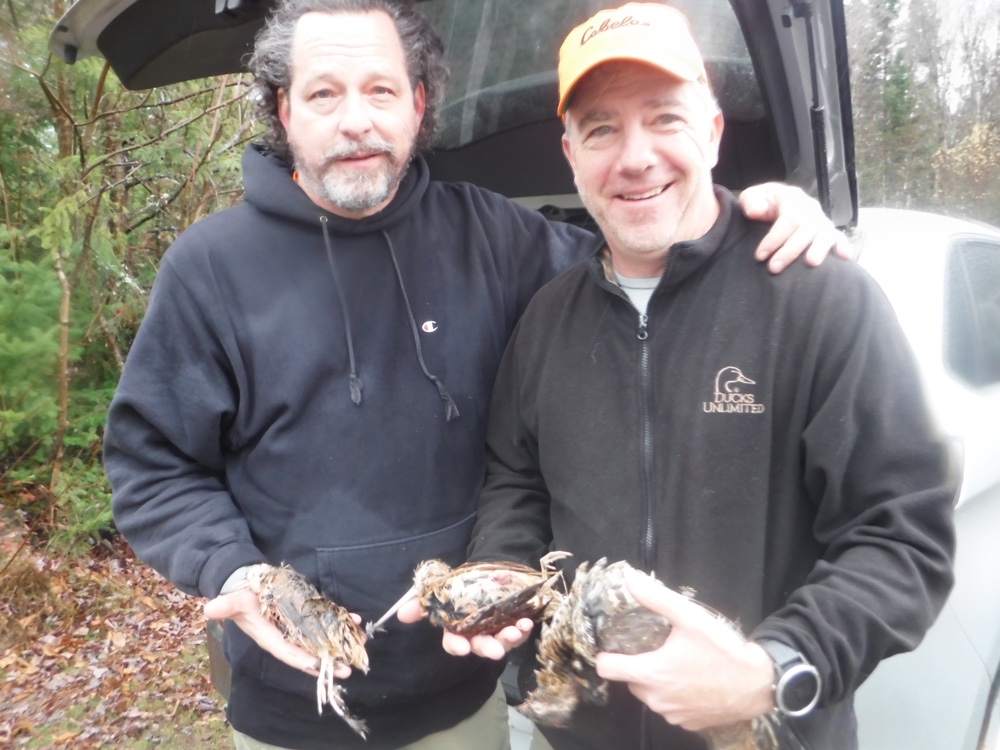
x=779, y=70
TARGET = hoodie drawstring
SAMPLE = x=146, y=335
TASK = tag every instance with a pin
x=451, y=410
x=356, y=385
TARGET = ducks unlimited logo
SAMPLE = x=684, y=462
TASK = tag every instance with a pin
x=730, y=396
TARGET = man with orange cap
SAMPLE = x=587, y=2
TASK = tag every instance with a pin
x=760, y=439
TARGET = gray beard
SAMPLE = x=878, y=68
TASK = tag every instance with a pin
x=364, y=191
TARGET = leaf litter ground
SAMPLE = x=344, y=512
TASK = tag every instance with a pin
x=100, y=651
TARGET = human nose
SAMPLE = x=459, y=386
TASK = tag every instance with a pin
x=637, y=153
x=355, y=118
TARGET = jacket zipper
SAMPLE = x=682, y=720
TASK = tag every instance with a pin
x=649, y=540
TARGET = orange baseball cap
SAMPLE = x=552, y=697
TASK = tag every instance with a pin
x=649, y=33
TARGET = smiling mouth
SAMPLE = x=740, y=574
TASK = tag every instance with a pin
x=644, y=196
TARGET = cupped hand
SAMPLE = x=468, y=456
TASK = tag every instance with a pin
x=243, y=608
x=494, y=646
x=706, y=674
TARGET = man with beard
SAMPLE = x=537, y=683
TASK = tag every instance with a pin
x=311, y=380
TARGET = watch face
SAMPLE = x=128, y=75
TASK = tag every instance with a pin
x=799, y=690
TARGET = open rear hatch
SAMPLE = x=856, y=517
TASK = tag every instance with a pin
x=779, y=71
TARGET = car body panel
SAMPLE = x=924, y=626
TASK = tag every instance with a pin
x=937, y=695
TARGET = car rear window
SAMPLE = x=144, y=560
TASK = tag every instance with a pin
x=503, y=56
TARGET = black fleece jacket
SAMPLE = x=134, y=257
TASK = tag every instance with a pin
x=762, y=439
x=235, y=436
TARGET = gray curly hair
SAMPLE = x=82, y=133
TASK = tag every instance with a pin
x=271, y=61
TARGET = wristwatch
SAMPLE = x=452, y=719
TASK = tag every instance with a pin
x=796, y=681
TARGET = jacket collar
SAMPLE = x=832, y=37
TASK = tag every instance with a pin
x=685, y=258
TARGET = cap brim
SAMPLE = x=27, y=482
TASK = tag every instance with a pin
x=670, y=65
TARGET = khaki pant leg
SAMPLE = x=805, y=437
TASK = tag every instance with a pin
x=486, y=729
x=245, y=742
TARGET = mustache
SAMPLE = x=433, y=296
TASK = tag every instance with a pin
x=367, y=146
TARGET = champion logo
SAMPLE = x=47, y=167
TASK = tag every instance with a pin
x=429, y=327
x=731, y=394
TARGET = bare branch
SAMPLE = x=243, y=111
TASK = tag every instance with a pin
x=98, y=96
x=157, y=105
x=6, y=201
x=179, y=126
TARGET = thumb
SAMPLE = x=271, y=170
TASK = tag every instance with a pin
x=218, y=609
x=679, y=610
x=411, y=611
x=225, y=606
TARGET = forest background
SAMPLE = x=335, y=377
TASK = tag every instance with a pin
x=96, y=182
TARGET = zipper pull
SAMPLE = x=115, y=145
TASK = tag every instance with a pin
x=643, y=333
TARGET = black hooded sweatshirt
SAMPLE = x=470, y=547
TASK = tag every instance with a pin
x=311, y=390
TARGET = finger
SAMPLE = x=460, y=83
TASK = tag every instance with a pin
x=266, y=635
x=621, y=667
x=410, y=611
x=775, y=238
x=488, y=647
x=757, y=202
x=679, y=610
x=218, y=609
x=822, y=246
x=455, y=645
x=794, y=245
x=340, y=671
x=513, y=636
x=288, y=652
x=230, y=605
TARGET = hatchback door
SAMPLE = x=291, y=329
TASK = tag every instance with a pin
x=779, y=70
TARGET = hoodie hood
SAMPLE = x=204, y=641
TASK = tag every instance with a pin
x=268, y=186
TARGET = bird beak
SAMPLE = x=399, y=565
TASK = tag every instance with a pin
x=375, y=627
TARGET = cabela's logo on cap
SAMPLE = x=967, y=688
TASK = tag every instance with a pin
x=607, y=25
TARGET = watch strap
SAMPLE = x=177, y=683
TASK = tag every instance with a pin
x=791, y=667
x=783, y=656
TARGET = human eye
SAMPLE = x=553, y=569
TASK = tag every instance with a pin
x=382, y=92
x=598, y=132
x=669, y=120
x=322, y=94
